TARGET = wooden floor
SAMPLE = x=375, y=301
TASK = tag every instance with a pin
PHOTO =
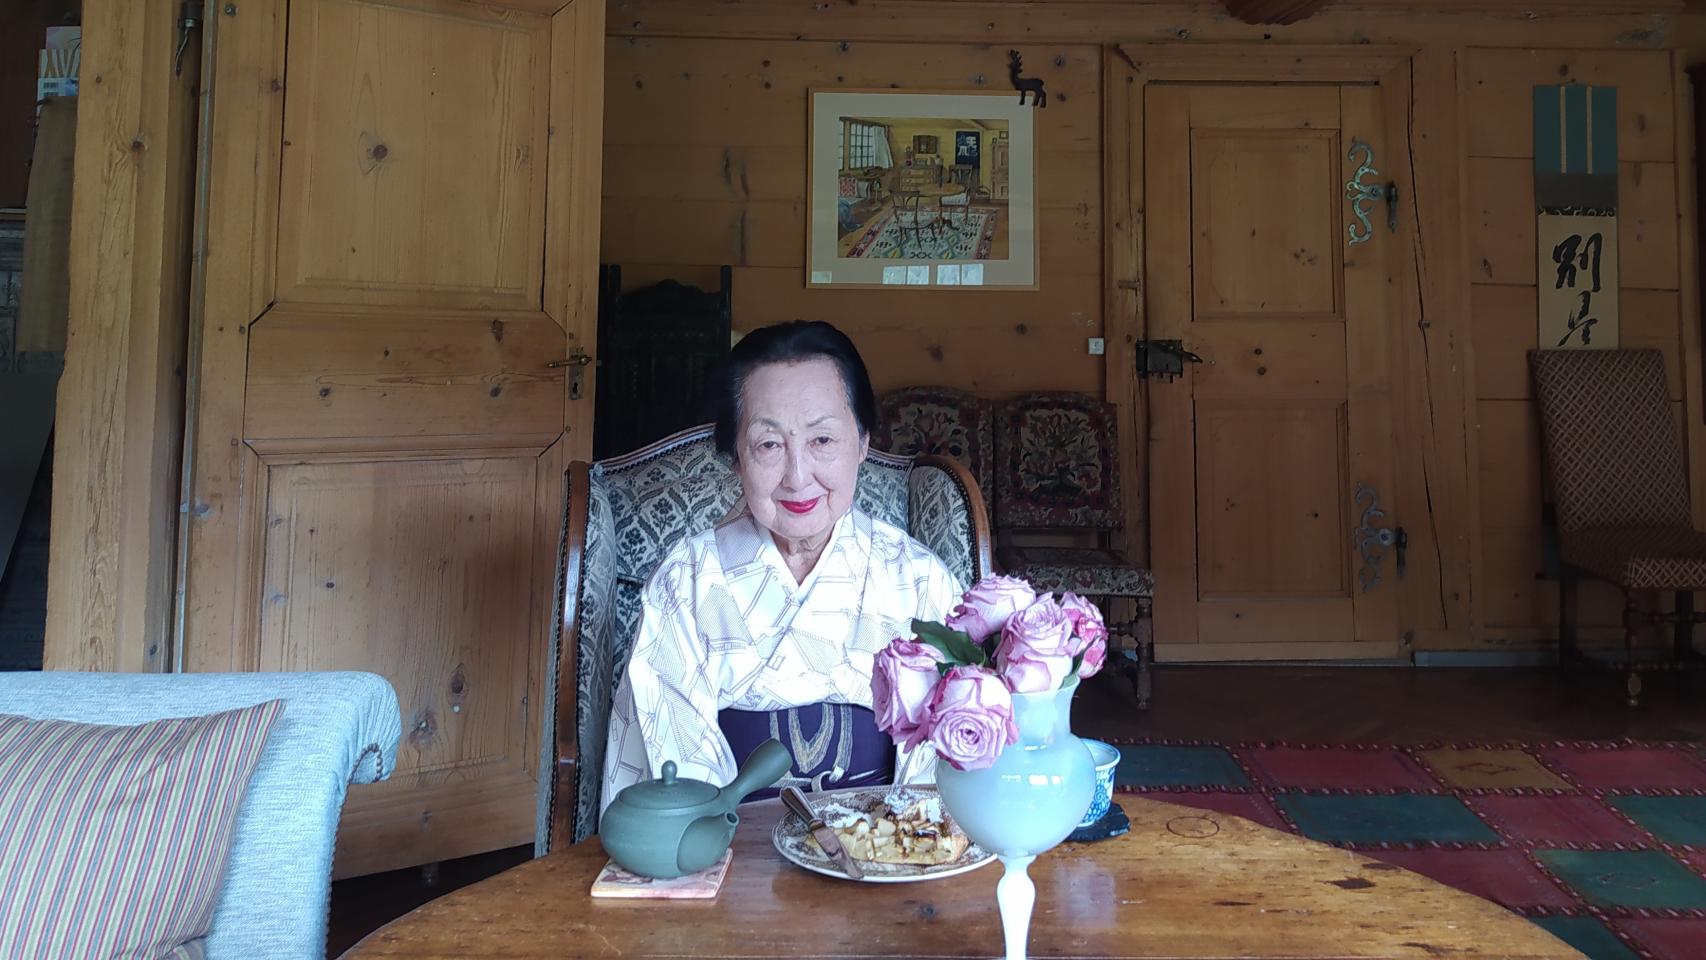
x=1299, y=704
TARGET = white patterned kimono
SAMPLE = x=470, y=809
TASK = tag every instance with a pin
x=724, y=625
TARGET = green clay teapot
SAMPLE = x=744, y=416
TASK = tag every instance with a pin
x=673, y=826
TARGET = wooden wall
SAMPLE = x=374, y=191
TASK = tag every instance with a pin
x=705, y=164
x=1517, y=604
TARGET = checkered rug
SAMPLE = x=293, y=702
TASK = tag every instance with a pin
x=1602, y=843
x=965, y=234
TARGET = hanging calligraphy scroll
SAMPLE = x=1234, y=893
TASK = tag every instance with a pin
x=1575, y=195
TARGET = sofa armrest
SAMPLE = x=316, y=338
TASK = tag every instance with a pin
x=337, y=728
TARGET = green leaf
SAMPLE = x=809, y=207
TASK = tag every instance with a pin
x=956, y=645
x=1077, y=661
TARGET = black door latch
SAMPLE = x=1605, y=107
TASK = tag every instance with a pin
x=1163, y=358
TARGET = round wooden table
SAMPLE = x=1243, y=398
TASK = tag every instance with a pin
x=1182, y=883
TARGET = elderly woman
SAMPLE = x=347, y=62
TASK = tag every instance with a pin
x=766, y=624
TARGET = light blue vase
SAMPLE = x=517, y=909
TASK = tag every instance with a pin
x=1027, y=802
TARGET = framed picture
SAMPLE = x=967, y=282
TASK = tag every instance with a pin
x=921, y=190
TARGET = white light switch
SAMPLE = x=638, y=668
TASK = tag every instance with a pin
x=1097, y=347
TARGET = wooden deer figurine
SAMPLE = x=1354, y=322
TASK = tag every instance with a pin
x=1031, y=85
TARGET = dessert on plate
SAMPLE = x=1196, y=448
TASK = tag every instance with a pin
x=904, y=826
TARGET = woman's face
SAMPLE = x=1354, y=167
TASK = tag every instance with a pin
x=798, y=448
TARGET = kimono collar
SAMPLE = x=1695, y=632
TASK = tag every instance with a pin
x=743, y=547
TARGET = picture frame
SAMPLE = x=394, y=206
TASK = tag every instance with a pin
x=921, y=189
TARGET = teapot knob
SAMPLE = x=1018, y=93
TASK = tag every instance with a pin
x=669, y=771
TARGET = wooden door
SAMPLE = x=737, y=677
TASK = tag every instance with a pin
x=402, y=221
x=1267, y=456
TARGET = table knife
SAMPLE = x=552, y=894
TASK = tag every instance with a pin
x=796, y=802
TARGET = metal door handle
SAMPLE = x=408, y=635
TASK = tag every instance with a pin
x=578, y=360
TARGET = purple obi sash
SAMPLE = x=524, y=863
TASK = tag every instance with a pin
x=838, y=740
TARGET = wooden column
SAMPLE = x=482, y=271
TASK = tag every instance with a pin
x=120, y=412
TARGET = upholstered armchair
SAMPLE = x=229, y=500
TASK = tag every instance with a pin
x=942, y=421
x=336, y=729
x=622, y=515
x=1620, y=483
x=1057, y=472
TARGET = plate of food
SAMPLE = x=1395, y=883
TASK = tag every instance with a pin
x=896, y=835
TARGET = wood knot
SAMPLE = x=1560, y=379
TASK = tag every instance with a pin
x=380, y=151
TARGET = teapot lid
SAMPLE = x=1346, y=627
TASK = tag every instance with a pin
x=669, y=793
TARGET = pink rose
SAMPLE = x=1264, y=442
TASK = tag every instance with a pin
x=1095, y=655
x=902, y=680
x=1041, y=629
x=987, y=606
x=1086, y=620
x=1036, y=648
x=1034, y=674
x=971, y=717
x=1091, y=632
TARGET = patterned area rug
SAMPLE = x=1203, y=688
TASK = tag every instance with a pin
x=967, y=236
x=1601, y=843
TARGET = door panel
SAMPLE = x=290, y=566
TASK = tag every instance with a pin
x=379, y=450
x=410, y=135
x=1259, y=452
x=344, y=373
x=1263, y=252
x=1278, y=531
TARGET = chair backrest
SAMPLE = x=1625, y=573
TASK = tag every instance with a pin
x=942, y=421
x=1057, y=463
x=1611, y=445
x=622, y=515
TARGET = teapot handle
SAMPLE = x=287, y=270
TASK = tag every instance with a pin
x=766, y=765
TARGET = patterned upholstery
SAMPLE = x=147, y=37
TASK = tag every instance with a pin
x=1091, y=572
x=1615, y=457
x=1056, y=463
x=638, y=506
x=939, y=420
x=1641, y=558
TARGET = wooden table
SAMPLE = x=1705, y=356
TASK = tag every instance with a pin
x=1182, y=883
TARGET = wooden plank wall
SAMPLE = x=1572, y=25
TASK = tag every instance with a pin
x=1518, y=605
x=705, y=164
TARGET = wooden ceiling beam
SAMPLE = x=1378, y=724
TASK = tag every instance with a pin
x=1273, y=11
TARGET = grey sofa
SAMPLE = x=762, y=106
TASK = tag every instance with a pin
x=337, y=729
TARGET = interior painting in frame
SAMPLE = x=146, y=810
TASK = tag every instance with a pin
x=922, y=189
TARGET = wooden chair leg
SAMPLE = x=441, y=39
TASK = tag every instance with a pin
x=1632, y=618
x=1682, y=639
x=1568, y=600
x=1145, y=636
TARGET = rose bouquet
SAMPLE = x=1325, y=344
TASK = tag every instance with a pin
x=952, y=683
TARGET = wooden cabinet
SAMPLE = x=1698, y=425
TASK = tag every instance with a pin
x=998, y=169
x=915, y=178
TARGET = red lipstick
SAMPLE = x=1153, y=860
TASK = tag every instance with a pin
x=799, y=506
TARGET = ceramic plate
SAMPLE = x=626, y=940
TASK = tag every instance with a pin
x=794, y=842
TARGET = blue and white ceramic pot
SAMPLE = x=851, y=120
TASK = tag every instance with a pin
x=1027, y=802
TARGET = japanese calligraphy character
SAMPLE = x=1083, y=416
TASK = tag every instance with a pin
x=1572, y=254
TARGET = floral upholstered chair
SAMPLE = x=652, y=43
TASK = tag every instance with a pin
x=623, y=514
x=1057, y=470
x=943, y=421
x=1621, y=486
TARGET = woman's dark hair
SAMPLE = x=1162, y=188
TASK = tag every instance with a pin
x=792, y=342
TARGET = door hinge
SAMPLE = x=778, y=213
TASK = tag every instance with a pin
x=1163, y=358
x=1363, y=195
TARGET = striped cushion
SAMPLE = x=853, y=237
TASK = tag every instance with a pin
x=113, y=840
